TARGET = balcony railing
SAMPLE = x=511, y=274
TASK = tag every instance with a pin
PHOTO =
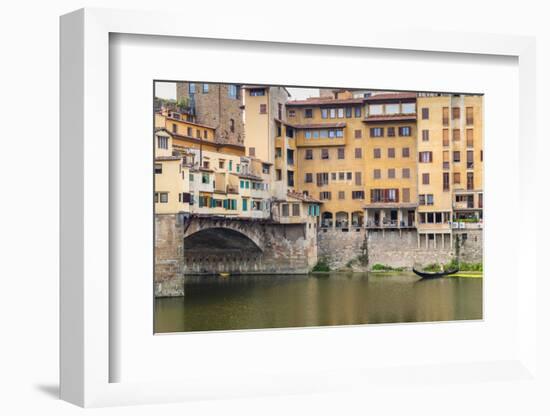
x=390, y=224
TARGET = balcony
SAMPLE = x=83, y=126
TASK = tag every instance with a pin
x=390, y=224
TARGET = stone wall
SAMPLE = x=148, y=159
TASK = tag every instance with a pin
x=395, y=248
x=168, y=279
x=338, y=247
x=216, y=109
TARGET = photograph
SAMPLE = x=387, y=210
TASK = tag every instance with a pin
x=289, y=207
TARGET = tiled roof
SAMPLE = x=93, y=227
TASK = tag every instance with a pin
x=319, y=125
x=164, y=158
x=391, y=96
x=324, y=101
x=302, y=197
x=397, y=117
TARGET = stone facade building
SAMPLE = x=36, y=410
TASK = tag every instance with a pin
x=216, y=105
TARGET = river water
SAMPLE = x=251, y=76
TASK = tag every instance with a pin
x=282, y=301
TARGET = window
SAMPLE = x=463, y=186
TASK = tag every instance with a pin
x=257, y=92
x=206, y=134
x=289, y=132
x=470, y=181
x=391, y=173
x=456, y=135
x=445, y=137
x=456, y=113
x=162, y=142
x=406, y=173
x=324, y=113
x=358, y=178
x=376, y=110
x=406, y=195
x=205, y=88
x=309, y=154
x=189, y=131
x=339, y=133
x=358, y=153
x=425, y=179
x=174, y=128
x=470, y=137
x=332, y=113
x=308, y=113
x=456, y=178
x=232, y=91
x=470, y=159
x=232, y=125
x=376, y=132
x=357, y=194
x=307, y=134
x=198, y=134
x=340, y=113
x=377, y=153
x=341, y=195
x=284, y=210
x=221, y=164
x=429, y=199
x=291, y=113
x=469, y=115
x=392, y=109
x=280, y=111
x=425, y=113
x=322, y=178
x=456, y=156
x=278, y=175
x=384, y=195
x=480, y=201
x=446, y=181
x=445, y=159
x=376, y=174
x=158, y=168
x=391, y=152
x=315, y=134
x=405, y=152
x=341, y=153
x=425, y=135
x=408, y=108
x=324, y=154
x=348, y=176
x=425, y=157
x=309, y=178
x=348, y=112
x=358, y=134
x=192, y=88
x=295, y=210
x=391, y=131
x=481, y=155
x=279, y=152
x=405, y=131
x=323, y=196
x=445, y=117
x=324, y=134
x=252, y=151
x=421, y=200
x=265, y=168
x=290, y=156
x=263, y=108
x=357, y=112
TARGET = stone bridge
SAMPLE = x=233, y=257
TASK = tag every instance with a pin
x=206, y=244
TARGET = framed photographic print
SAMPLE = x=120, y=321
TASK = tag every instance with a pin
x=285, y=213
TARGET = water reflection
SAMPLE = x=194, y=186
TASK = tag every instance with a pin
x=245, y=302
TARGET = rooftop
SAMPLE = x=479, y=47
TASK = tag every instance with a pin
x=314, y=101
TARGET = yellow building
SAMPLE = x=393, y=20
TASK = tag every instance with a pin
x=450, y=172
x=390, y=165
x=330, y=156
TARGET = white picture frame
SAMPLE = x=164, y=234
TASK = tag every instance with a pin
x=86, y=355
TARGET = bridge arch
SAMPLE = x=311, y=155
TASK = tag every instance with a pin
x=220, y=240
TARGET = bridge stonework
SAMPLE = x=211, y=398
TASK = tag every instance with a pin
x=211, y=245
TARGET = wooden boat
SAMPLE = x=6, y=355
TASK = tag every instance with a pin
x=224, y=274
x=434, y=275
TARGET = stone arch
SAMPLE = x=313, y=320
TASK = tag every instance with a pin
x=327, y=219
x=342, y=219
x=212, y=241
x=357, y=218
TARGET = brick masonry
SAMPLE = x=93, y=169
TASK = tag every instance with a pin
x=216, y=109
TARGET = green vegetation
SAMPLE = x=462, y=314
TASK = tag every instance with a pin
x=468, y=220
x=385, y=268
x=464, y=267
x=321, y=266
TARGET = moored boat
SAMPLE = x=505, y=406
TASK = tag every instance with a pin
x=434, y=275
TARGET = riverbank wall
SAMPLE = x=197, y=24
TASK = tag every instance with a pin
x=360, y=250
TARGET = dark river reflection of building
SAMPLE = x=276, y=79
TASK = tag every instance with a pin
x=250, y=302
